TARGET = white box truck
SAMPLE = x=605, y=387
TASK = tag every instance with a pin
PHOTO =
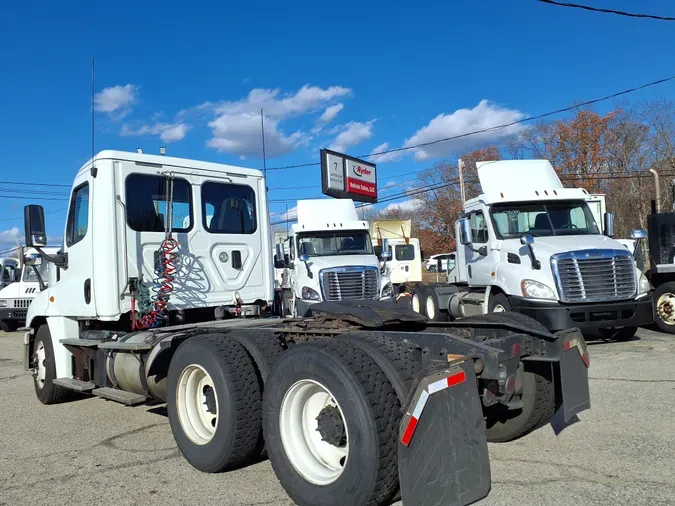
x=529, y=245
x=10, y=270
x=328, y=256
x=363, y=401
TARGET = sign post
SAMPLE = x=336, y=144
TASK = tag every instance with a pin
x=344, y=176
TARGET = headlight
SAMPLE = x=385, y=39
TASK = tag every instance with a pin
x=536, y=290
x=3, y=302
x=643, y=285
x=387, y=291
x=310, y=294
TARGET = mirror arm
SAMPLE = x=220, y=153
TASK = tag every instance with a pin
x=59, y=259
x=40, y=280
x=536, y=264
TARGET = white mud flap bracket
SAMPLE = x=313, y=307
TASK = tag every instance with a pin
x=442, y=452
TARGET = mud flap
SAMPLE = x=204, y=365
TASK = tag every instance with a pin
x=442, y=452
x=574, y=363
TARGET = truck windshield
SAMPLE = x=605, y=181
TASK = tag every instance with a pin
x=543, y=219
x=29, y=275
x=347, y=242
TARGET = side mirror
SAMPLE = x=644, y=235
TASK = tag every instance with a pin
x=439, y=265
x=31, y=260
x=526, y=239
x=34, y=224
x=304, y=257
x=609, y=224
x=422, y=255
x=464, y=231
x=386, y=251
x=280, y=257
x=638, y=233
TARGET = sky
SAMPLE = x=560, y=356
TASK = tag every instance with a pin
x=356, y=77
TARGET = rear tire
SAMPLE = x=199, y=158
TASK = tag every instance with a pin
x=356, y=464
x=43, y=360
x=214, y=403
x=539, y=402
x=664, y=307
x=432, y=308
x=417, y=299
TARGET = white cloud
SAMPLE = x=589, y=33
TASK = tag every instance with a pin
x=240, y=134
x=484, y=115
x=390, y=184
x=291, y=214
x=386, y=157
x=406, y=205
x=352, y=134
x=236, y=127
x=116, y=99
x=168, y=132
x=330, y=113
x=10, y=236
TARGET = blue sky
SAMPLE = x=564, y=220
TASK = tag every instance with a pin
x=354, y=76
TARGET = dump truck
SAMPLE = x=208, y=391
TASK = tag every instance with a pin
x=165, y=280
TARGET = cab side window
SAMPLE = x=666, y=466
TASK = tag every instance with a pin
x=78, y=215
x=479, y=231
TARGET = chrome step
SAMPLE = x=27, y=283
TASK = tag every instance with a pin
x=75, y=384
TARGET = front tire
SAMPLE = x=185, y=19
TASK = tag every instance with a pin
x=9, y=325
x=45, y=370
x=499, y=303
x=214, y=403
x=621, y=334
x=330, y=424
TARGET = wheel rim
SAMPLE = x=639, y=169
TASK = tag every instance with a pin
x=415, y=303
x=665, y=307
x=318, y=461
x=431, y=307
x=499, y=309
x=41, y=368
x=197, y=404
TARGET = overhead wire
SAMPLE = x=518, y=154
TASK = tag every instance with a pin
x=607, y=11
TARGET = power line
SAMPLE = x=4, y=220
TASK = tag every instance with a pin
x=607, y=11
x=9, y=197
x=20, y=218
x=9, y=250
x=498, y=127
x=35, y=184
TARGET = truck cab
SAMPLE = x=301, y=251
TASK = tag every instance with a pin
x=15, y=298
x=328, y=256
x=529, y=245
x=10, y=271
x=405, y=253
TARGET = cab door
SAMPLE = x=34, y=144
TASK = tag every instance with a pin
x=74, y=294
x=478, y=266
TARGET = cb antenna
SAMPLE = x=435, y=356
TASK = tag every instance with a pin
x=93, y=117
x=262, y=128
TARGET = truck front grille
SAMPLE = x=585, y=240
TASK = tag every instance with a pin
x=22, y=303
x=349, y=283
x=594, y=275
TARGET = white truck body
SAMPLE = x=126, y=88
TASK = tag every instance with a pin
x=405, y=265
x=15, y=298
x=341, y=262
x=578, y=276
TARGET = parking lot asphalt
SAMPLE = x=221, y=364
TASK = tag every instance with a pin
x=621, y=452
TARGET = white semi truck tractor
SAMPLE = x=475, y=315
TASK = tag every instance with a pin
x=531, y=246
x=163, y=281
x=328, y=256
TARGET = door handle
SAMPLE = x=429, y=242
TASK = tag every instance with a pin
x=87, y=290
x=236, y=259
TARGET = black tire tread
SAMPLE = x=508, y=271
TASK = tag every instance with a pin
x=57, y=394
x=668, y=286
x=247, y=393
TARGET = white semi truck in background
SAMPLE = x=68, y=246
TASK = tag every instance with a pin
x=529, y=245
x=404, y=257
x=328, y=256
x=16, y=297
x=10, y=270
x=363, y=401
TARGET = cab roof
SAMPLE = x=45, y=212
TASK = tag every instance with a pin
x=169, y=161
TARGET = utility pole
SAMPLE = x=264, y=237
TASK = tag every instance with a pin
x=460, y=166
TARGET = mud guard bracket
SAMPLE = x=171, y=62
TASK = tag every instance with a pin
x=442, y=452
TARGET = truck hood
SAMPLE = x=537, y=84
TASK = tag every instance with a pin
x=11, y=291
x=545, y=247
x=318, y=263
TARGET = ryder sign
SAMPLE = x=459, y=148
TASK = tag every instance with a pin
x=343, y=176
